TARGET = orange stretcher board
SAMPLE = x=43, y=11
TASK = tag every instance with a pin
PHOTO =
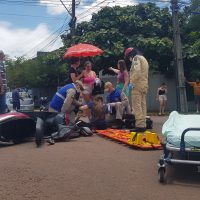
x=147, y=140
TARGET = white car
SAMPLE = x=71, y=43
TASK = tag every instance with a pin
x=26, y=104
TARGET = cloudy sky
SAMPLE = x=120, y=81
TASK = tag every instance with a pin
x=28, y=26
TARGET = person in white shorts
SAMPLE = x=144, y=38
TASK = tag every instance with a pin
x=162, y=97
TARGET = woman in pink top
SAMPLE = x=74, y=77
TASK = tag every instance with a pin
x=122, y=76
x=89, y=77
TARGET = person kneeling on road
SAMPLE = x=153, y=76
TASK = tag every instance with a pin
x=66, y=99
x=118, y=103
x=97, y=110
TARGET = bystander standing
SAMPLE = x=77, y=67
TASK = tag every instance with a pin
x=3, y=84
x=196, y=88
x=122, y=76
x=73, y=73
x=162, y=98
x=16, y=99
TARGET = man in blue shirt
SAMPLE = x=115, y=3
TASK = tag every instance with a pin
x=16, y=99
x=66, y=99
x=117, y=101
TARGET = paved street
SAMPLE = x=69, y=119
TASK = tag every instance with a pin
x=91, y=168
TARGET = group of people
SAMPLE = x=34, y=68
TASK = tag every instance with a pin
x=161, y=95
x=77, y=94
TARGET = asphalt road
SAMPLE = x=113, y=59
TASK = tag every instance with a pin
x=92, y=168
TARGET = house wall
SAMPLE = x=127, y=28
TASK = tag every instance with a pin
x=155, y=79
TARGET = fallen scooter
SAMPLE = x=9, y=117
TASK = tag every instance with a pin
x=16, y=127
x=65, y=133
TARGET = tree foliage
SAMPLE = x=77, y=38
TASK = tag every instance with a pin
x=44, y=71
x=145, y=26
x=191, y=41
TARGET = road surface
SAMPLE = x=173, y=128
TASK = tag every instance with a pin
x=91, y=168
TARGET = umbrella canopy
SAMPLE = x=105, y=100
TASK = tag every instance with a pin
x=84, y=50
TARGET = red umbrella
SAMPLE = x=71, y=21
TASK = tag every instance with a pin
x=84, y=50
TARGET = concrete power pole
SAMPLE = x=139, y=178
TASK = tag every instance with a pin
x=72, y=23
x=180, y=89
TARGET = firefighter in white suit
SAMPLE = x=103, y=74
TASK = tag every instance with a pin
x=139, y=79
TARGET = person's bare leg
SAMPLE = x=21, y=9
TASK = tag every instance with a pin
x=161, y=107
x=164, y=106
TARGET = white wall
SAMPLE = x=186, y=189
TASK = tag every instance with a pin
x=154, y=82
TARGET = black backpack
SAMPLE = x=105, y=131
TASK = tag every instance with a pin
x=130, y=122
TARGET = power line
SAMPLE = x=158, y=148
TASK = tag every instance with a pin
x=47, y=40
x=25, y=15
x=91, y=8
x=32, y=3
x=56, y=37
x=94, y=8
x=66, y=7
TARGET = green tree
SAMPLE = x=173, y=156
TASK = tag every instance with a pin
x=144, y=26
x=44, y=71
x=191, y=41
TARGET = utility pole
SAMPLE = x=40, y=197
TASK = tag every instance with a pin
x=73, y=20
x=180, y=78
x=72, y=13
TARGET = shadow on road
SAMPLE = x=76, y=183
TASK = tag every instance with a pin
x=183, y=175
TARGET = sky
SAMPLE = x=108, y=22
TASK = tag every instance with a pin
x=28, y=26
